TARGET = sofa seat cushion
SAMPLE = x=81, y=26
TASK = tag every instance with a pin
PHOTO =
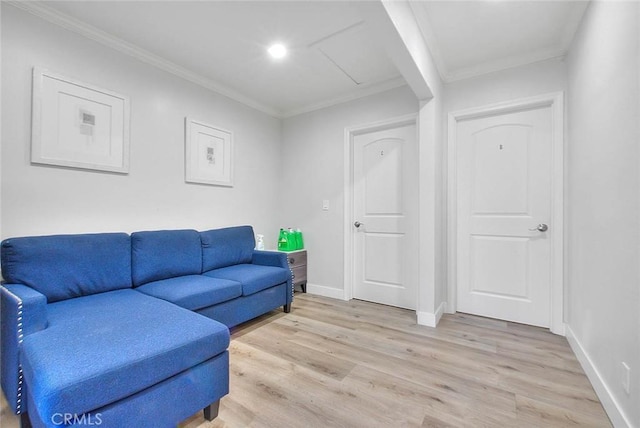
x=101, y=348
x=253, y=278
x=193, y=292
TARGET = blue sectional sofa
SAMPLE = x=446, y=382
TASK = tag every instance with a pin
x=129, y=330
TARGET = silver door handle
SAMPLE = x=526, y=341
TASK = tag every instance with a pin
x=540, y=228
x=358, y=224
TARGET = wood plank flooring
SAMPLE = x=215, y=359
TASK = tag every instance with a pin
x=331, y=363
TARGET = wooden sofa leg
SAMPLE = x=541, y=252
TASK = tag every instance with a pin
x=211, y=411
x=287, y=308
x=25, y=422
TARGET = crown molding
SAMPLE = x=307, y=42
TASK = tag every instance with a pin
x=452, y=75
x=134, y=51
x=504, y=64
x=372, y=89
x=89, y=31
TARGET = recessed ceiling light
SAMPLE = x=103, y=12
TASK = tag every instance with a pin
x=277, y=50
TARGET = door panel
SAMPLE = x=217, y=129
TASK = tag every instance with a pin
x=504, y=190
x=500, y=177
x=383, y=177
x=384, y=264
x=384, y=174
x=491, y=254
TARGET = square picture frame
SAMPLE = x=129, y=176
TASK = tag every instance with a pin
x=78, y=125
x=208, y=154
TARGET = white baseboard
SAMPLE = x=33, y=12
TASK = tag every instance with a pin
x=426, y=318
x=611, y=406
x=431, y=319
x=324, y=291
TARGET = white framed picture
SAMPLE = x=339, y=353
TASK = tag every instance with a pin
x=208, y=154
x=78, y=125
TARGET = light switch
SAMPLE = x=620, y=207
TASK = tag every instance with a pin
x=325, y=205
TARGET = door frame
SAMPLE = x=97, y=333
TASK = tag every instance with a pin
x=349, y=134
x=555, y=101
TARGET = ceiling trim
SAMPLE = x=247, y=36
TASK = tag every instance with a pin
x=132, y=50
x=505, y=64
x=364, y=92
x=487, y=67
x=104, y=38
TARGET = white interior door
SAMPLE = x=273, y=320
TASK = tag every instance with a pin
x=504, y=172
x=384, y=206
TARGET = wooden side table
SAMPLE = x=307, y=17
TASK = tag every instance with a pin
x=298, y=264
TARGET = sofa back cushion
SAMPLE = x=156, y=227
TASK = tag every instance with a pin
x=227, y=247
x=163, y=254
x=66, y=266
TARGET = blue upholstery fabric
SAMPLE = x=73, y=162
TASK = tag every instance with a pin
x=23, y=311
x=237, y=311
x=193, y=291
x=134, y=355
x=227, y=247
x=163, y=405
x=102, y=348
x=66, y=266
x=270, y=258
x=277, y=259
x=163, y=254
x=253, y=278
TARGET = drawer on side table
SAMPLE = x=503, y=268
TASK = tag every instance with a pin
x=298, y=264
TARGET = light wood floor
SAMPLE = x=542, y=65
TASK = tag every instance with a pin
x=331, y=363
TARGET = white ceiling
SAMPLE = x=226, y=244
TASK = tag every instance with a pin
x=222, y=44
x=470, y=38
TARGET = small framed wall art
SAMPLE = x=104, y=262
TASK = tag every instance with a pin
x=208, y=154
x=78, y=125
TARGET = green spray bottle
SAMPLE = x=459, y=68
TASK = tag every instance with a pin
x=282, y=240
x=299, y=240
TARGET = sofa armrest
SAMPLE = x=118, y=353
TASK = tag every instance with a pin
x=277, y=259
x=23, y=311
x=270, y=258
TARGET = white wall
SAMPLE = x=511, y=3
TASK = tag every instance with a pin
x=46, y=200
x=313, y=170
x=604, y=207
x=507, y=85
x=520, y=82
x=397, y=27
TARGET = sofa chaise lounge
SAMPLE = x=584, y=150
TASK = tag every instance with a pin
x=122, y=330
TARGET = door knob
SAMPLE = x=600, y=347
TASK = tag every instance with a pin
x=358, y=224
x=540, y=228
